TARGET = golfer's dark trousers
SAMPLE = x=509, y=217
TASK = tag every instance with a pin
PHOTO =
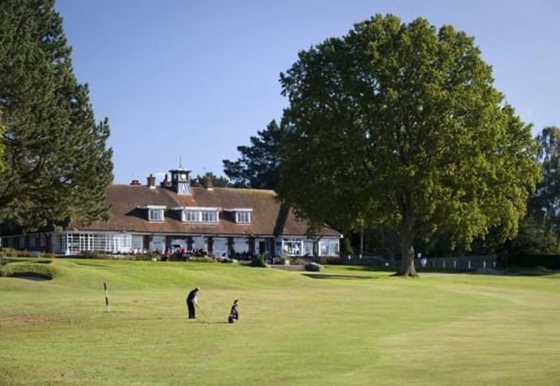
x=190, y=305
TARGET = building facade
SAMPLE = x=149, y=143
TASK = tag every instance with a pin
x=175, y=215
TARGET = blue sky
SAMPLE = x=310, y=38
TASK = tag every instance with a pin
x=191, y=80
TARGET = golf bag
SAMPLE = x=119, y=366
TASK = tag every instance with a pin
x=233, y=313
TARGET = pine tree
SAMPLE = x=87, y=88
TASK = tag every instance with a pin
x=56, y=162
x=259, y=165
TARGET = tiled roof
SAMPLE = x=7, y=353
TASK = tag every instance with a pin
x=268, y=217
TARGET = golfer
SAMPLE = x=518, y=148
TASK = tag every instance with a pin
x=192, y=303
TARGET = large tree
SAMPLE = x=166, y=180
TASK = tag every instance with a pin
x=399, y=125
x=57, y=164
x=544, y=205
x=259, y=164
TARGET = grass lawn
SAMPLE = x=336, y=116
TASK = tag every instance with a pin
x=345, y=327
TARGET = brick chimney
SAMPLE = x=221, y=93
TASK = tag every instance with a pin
x=208, y=183
x=151, y=181
x=165, y=183
x=135, y=182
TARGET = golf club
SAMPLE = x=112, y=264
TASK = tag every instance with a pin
x=201, y=311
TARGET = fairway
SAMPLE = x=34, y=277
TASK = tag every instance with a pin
x=348, y=326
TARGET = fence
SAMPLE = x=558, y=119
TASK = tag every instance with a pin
x=460, y=264
x=463, y=263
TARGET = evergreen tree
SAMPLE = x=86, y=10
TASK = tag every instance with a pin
x=544, y=204
x=57, y=164
x=217, y=182
x=259, y=165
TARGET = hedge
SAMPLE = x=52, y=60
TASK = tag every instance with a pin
x=42, y=271
x=546, y=261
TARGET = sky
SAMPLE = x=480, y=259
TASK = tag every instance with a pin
x=184, y=82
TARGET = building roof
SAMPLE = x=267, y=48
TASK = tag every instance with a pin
x=268, y=216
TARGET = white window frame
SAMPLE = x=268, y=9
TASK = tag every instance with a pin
x=243, y=217
x=189, y=215
x=199, y=214
x=156, y=215
x=209, y=216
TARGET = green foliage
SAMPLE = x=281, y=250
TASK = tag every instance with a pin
x=56, y=163
x=29, y=269
x=299, y=261
x=544, y=204
x=259, y=261
x=331, y=260
x=10, y=252
x=217, y=182
x=2, y=130
x=399, y=125
x=534, y=238
x=259, y=165
x=537, y=261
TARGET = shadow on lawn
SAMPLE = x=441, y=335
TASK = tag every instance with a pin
x=337, y=276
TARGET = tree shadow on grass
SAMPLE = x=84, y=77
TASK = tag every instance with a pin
x=338, y=276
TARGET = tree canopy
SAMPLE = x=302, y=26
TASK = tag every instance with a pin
x=56, y=162
x=217, y=182
x=259, y=164
x=544, y=204
x=399, y=125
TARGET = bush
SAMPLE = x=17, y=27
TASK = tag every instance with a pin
x=313, y=267
x=202, y=259
x=333, y=260
x=93, y=255
x=526, y=261
x=299, y=261
x=10, y=252
x=44, y=271
x=145, y=256
x=259, y=262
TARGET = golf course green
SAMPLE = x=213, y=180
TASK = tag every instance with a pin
x=344, y=326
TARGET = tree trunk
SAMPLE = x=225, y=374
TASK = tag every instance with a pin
x=407, y=256
x=361, y=243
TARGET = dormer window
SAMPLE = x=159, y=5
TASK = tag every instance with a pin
x=209, y=216
x=155, y=212
x=199, y=214
x=241, y=215
x=155, y=215
x=190, y=215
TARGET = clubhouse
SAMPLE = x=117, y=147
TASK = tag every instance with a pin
x=175, y=215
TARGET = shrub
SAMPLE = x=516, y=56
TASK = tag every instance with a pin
x=333, y=260
x=10, y=252
x=313, y=267
x=259, y=262
x=44, y=271
x=299, y=261
x=201, y=259
x=93, y=255
x=525, y=261
x=145, y=256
